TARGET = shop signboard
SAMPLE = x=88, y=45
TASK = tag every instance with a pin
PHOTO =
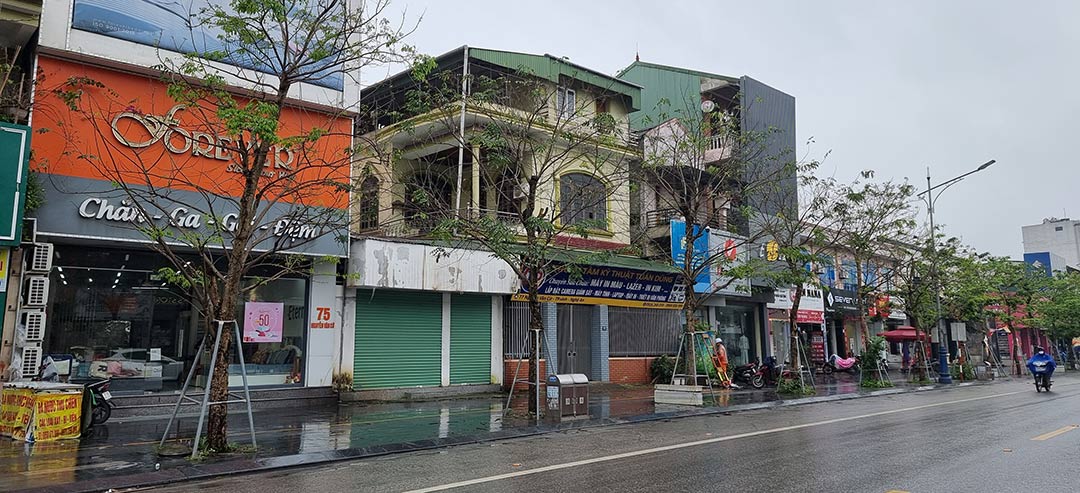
x=811, y=304
x=171, y=25
x=41, y=411
x=14, y=159
x=698, y=253
x=263, y=321
x=193, y=181
x=736, y=251
x=5, y=259
x=613, y=286
x=841, y=301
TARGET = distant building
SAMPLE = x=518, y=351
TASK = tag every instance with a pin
x=1054, y=244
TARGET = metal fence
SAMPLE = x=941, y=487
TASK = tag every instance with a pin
x=631, y=331
x=643, y=331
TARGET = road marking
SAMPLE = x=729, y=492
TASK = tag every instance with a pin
x=897, y=491
x=1052, y=434
x=636, y=453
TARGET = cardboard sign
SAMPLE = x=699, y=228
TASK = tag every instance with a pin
x=263, y=321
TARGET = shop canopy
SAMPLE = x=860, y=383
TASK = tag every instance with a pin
x=903, y=333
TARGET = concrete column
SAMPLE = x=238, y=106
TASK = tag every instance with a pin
x=444, y=374
x=549, y=311
x=599, y=342
x=475, y=177
x=496, y=339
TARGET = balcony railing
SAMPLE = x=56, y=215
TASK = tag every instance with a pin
x=662, y=217
x=419, y=226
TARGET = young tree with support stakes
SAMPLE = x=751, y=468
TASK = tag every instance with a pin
x=873, y=215
x=552, y=175
x=1058, y=309
x=801, y=236
x=1014, y=289
x=278, y=185
x=702, y=168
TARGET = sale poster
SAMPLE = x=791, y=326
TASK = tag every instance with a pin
x=57, y=416
x=262, y=321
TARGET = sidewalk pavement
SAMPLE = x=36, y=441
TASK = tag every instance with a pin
x=122, y=452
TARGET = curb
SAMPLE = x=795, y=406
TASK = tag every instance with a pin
x=192, y=472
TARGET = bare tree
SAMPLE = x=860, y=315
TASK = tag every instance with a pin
x=701, y=168
x=549, y=172
x=279, y=185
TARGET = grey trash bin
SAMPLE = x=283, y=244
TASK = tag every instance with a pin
x=560, y=393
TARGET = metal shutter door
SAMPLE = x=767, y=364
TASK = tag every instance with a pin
x=398, y=339
x=470, y=339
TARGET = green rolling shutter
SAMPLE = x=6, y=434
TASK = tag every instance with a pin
x=470, y=339
x=398, y=339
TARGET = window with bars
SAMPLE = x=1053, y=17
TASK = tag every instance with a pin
x=582, y=200
x=566, y=102
x=369, y=203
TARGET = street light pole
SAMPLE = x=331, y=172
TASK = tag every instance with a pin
x=931, y=199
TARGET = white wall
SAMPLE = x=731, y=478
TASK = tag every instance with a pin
x=386, y=264
x=1046, y=238
x=324, y=325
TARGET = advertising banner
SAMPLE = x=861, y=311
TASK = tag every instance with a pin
x=57, y=416
x=724, y=249
x=698, y=252
x=613, y=286
x=173, y=26
x=5, y=258
x=263, y=321
x=16, y=411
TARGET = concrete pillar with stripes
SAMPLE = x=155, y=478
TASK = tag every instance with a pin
x=598, y=334
x=549, y=313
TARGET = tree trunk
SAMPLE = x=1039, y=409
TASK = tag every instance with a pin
x=688, y=330
x=217, y=425
x=793, y=324
x=536, y=333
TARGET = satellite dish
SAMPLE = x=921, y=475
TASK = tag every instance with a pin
x=707, y=106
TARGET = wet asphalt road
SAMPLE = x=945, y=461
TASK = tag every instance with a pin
x=1001, y=437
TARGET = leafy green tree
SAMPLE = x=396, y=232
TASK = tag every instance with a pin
x=873, y=214
x=1014, y=288
x=1058, y=308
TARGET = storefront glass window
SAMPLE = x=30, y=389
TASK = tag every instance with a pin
x=735, y=325
x=111, y=315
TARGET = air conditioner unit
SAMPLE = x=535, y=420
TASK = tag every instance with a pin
x=31, y=360
x=34, y=321
x=37, y=291
x=41, y=258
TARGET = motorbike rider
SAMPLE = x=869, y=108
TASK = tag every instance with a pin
x=1040, y=356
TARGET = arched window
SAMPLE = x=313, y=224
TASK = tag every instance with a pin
x=583, y=200
x=369, y=203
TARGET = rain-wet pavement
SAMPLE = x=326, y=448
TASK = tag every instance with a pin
x=123, y=451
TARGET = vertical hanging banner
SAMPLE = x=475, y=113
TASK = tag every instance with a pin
x=263, y=321
x=5, y=258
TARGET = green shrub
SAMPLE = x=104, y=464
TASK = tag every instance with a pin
x=794, y=386
x=661, y=369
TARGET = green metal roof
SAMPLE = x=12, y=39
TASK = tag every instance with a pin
x=551, y=67
x=669, y=68
x=675, y=86
x=548, y=67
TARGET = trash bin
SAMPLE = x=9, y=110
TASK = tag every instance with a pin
x=581, y=394
x=560, y=394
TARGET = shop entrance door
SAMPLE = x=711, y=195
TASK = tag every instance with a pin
x=575, y=345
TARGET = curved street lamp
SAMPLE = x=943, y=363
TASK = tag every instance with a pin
x=930, y=197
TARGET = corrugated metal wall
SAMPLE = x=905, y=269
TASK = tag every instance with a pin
x=398, y=339
x=470, y=339
x=643, y=331
x=770, y=112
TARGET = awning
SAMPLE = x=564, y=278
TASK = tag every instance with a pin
x=904, y=333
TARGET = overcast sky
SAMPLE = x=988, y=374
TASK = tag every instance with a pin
x=889, y=86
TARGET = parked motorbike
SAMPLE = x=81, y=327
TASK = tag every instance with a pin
x=1042, y=376
x=750, y=375
x=770, y=374
x=836, y=363
x=100, y=401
